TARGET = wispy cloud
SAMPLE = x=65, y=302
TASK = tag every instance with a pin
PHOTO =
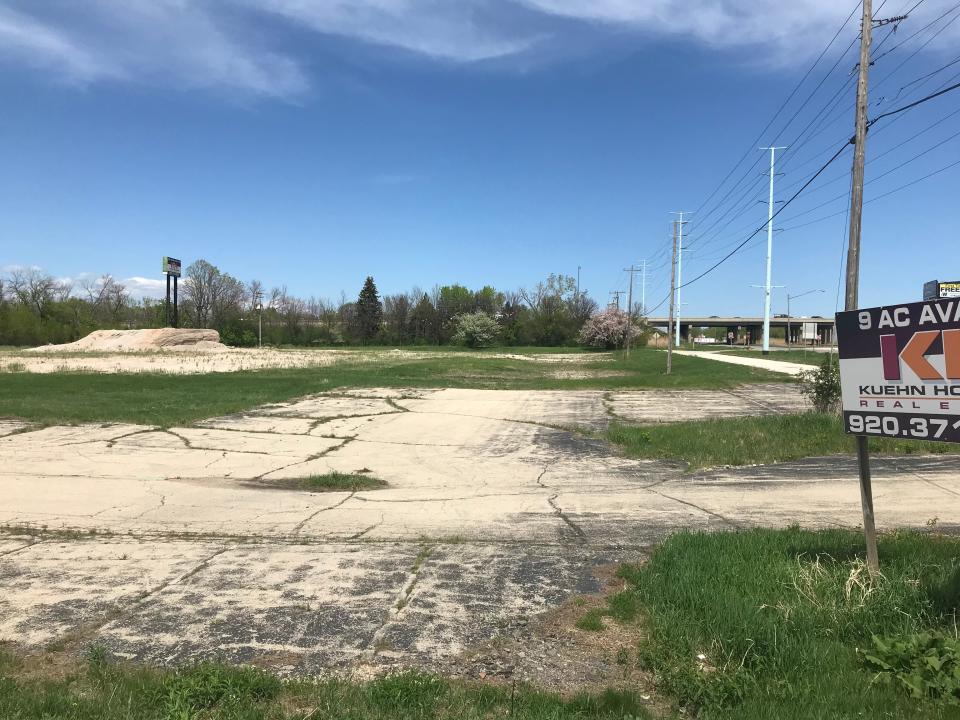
x=245, y=45
x=175, y=42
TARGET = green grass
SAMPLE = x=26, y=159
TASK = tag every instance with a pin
x=103, y=691
x=168, y=400
x=766, y=624
x=754, y=440
x=338, y=481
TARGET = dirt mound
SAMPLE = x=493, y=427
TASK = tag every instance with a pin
x=142, y=341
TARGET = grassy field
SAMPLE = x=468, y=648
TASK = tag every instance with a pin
x=103, y=691
x=774, y=624
x=754, y=440
x=168, y=400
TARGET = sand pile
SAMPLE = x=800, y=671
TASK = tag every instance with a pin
x=142, y=341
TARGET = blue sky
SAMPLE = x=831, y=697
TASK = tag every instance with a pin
x=309, y=143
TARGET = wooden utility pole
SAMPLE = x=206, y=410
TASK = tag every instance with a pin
x=853, y=266
x=673, y=297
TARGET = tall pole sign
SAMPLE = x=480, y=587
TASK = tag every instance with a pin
x=171, y=268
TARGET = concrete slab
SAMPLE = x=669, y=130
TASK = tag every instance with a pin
x=51, y=589
x=261, y=423
x=329, y=406
x=658, y=406
x=547, y=407
x=203, y=548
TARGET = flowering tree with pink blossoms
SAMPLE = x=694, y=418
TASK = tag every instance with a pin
x=607, y=330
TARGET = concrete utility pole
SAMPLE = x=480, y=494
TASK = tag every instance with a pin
x=678, y=228
x=853, y=265
x=673, y=287
x=768, y=290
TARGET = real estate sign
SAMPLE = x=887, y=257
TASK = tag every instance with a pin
x=900, y=370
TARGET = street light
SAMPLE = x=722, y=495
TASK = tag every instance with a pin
x=789, y=316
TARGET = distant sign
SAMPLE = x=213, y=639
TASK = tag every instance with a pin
x=936, y=290
x=171, y=266
x=900, y=370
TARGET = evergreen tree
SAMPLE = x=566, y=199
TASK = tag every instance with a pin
x=369, y=312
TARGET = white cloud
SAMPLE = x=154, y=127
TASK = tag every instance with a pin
x=22, y=37
x=451, y=30
x=177, y=42
x=245, y=45
x=140, y=287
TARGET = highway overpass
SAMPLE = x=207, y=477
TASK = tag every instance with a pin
x=803, y=330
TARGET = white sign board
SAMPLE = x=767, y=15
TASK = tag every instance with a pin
x=900, y=370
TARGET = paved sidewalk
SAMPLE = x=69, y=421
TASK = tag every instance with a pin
x=779, y=366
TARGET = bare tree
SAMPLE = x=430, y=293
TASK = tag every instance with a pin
x=34, y=289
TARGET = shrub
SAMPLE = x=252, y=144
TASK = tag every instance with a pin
x=927, y=665
x=607, y=329
x=823, y=386
x=476, y=330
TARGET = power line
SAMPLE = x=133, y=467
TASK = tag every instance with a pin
x=782, y=208
x=796, y=89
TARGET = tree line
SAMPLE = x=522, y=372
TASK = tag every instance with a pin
x=36, y=309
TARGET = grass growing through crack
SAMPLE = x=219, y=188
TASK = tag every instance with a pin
x=169, y=400
x=767, y=624
x=101, y=690
x=338, y=481
x=754, y=440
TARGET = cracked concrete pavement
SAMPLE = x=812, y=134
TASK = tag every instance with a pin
x=170, y=545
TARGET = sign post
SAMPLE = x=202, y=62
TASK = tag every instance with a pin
x=171, y=268
x=899, y=377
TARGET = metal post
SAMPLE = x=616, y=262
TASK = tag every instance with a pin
x=166, y=305
x=853, y=266
x=673, y=280
x=176, y=304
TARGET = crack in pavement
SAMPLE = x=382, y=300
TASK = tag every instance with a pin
x=732, y=523
x=22, y=547
x=122, y=610
x=552, y=500
x=311, y=458
x=916, y=474
x=299, y=526
x=776, y=410
x=402, y=600
x=357, y=536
